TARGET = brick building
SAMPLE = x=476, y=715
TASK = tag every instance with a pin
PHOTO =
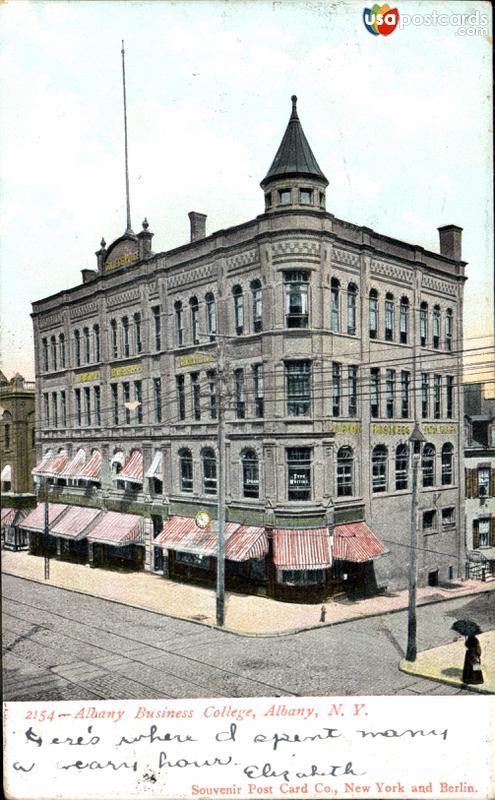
x=479, y=463
x=335, y=338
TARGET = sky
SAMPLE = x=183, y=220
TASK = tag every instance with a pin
x=399, y=124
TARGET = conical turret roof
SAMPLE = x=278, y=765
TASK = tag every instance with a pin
x=294, y=156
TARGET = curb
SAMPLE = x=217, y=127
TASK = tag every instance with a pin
x=440, y=679
x=273, y=635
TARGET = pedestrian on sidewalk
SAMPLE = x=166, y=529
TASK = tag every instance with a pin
x=472, y=672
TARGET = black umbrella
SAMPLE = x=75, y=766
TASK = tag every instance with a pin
x=466, y=627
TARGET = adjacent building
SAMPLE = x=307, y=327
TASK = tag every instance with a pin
x=479, y=462
x=324, y=340
x=17, y=420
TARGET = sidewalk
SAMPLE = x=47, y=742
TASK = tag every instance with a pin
x=245, y=614
x=445, y=663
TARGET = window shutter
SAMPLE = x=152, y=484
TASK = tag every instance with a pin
x=492, y=493
x=469, y=483
x=476, y=534
x=492, y=532
x=474, y=473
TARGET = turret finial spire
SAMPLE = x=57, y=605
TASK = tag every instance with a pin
x=128, y=228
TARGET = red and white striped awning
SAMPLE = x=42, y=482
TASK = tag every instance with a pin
x=6, y=473
x=355, y=542
x=301, y=549
x=117, y=529
x=247, y=542
x=35, y=520
x=132, y=470
x=155, y=470
x=55, y=466
x=74, y=465
x=92, y=468
x=38, y=469
x=75, y=523
x=8, y=516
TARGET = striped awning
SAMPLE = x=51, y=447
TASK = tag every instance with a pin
x=6, y=473
x=75, y=523
x=74, y=465
x=182, y=533
x=132, y=470
x=247, y=542
x=55, y=466
x=155, y=471
x=35, y=520
x=301, y=549
x=8, y=516
x=117, y=529
x=355, y=542
x=38, y=469
x=92, y=468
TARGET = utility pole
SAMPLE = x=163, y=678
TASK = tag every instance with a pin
x=416, y=440
x=220, y=552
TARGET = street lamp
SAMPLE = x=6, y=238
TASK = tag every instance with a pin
x=416, y=440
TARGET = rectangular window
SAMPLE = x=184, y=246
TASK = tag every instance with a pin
x=352, y=391
x=212, y=386
x=195, y=396
x=240, y=399
x=115, y=403
x=448, y=516
x=405, y=380
x=63, y=410
x=390, y=378
x=126, y=389
x=54, y=410
x=375, y=392
x=389, y=320
x=298, y=377
x=299, y=473
x=305, y=197
x=78, y=419
x=449, y=405
x=87, y=405
x=437, y=394
x=157, y=327
x=186, y=471
x=429, y=520
x=258, y=390
x=97, y=396
x=114, y=347
x=484, y=532
x=425, y=394
x=296, y=299
x=138, y=397
x=336, y=389
x=284, y=197
x=483, y=481
x=181, y=396
x=401, y=467
x=157, y=399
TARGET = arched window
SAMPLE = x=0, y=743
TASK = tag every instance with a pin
x=373, y=314
x=53, y=352
x=447, y=464
x=6, y=436
x=238, y=310
x=257, y=306
x=44, y=355
x=250, y=474
x=401, y=466
x=209, y=461
x=193, y=303
x=389, y=317
x=77, y=348
x=61, y=350
x=138, y=342
x=87, y=346
x=379, y=468
x=436, y=327
x=125, y=336
x=296, y=285
x=117, y=462
x=114, y=346
x=428, y=465
x=334, y=305
x=345, y=472
x=211, y=316
x=96, y=342
x=404, y=320
x=423, y=324
x=351, y=308
x=186, y=470
x=449, y=327
x=179, y=323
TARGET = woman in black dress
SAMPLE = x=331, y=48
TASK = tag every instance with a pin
x=472, y=662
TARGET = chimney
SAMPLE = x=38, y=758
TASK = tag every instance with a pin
x=198, y=225
x=451, y=241
x=144, y=238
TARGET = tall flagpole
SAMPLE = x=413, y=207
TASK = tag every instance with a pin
x=128, y=229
